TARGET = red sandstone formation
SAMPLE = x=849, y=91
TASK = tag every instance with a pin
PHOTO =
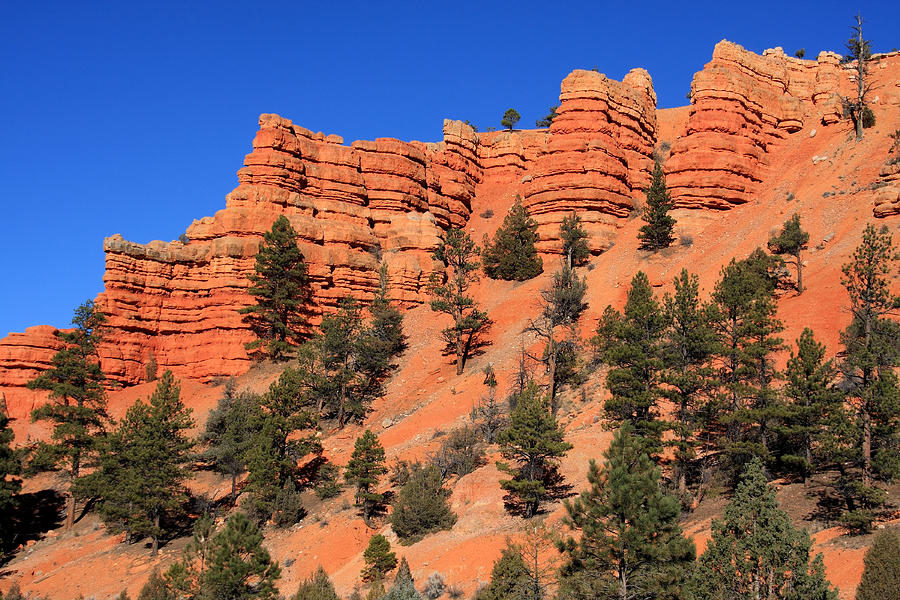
x=597, y=156
x=391, y=199
x=742, y=104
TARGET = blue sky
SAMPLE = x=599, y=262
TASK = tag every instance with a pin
x=132, y=117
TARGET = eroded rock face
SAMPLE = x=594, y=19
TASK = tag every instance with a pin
x=742, y=104
x=596, y=157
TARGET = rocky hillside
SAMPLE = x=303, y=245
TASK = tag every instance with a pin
x=762, y=139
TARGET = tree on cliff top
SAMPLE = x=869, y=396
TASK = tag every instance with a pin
x=510, y=118
x=77, y=407
x=280, y=286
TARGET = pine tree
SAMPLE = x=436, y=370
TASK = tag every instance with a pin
x=280, y=287
x=860, y=50
x=379, y=558
x=404, y=587
x=239, y=567
x=865, y=442
x=512, y=255
x=141, y=477
x=657, y=233
x=743, y=317
x=365, y=468
x=755, y=552
x=510, y=578
x=487, y=415
x=285, y=431
x=812, y=400
x=387, y=320
x=10, y=484
x=791, y=241
x=229, y=435
x=422, y=506
x=872, y=343
x=631, y=546
x=546, y=121
x=574, y=238
x=687, y=347
x=881, y=575
x=510, y=118
x=77, y=406
x=631, y=344
x=535, y=441
x=561, y=305
x=458, y=253
x=317, y=587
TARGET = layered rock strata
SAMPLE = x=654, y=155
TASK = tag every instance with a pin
x=741, y=104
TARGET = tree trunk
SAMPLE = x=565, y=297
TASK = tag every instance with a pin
x=233, y=488
x=460, y=355
x=70, y=511
x=799, y=275
x=867, y=446
x=552, y=367
x=860, y=80
x=154, y=549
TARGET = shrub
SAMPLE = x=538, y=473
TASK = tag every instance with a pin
x=288, y=507
x=422, y=506
x=868, y=118
x=460, y=454
x=434, y=587
x=328, y=485
x=881, y=576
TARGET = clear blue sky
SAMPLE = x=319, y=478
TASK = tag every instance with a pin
x=132, y=117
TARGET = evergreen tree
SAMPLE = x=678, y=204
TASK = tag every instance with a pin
x=404, y=587
x=229, y=434
x=687, y=347
x=285, y=432
x=422, y=506
x=812, y=399
x=458, y=253
x=387, y=320
x=77, y=406
x=631, y=546
x=535, y=441
x=865, y=442
x=510, y=118
x=510, y=578
x=755, y=552
x=657, y=233
x=365, y=468
x=379, y=558
x=546, y=121
x=10, y=484
x=872, y=343
x=239, y=567
x=487, y=415
x=141, y=477
x=791, y=241
x=574, y=238
x=860, y=50
x=743, y=318
x=317, y=587
x=561, y=305
x=881, y=575
x=280, y=287
x=631, y=344
x=512, y=255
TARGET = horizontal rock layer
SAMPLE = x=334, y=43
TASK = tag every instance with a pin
x=741, y=104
